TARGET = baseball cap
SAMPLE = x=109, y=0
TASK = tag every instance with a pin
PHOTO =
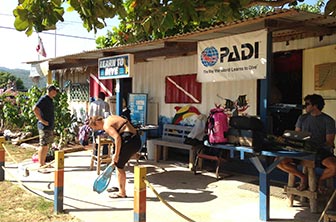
x=52, y=87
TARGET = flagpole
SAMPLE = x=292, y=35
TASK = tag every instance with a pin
x=38, y=42
x=55, y=42
x=53, y=72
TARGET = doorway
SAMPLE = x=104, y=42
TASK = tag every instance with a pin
x=285, y=90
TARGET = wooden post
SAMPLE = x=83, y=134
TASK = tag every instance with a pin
x=2, y=159
x=59, y=182
x=312, y=186
x=139, y=194
x=290, y=184
x=49, y=78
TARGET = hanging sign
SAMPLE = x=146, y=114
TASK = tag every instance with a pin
x=237, y=57
x=115, y=67
x=39, y=69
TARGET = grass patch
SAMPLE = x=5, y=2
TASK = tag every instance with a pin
x=17, y=204
x=17, y=153
x=20, y=205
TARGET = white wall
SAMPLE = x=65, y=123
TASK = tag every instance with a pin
x=316, y=56
x=150, y=78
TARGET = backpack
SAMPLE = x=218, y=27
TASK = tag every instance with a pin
x=216, y=126
x=247, y=131
x=246, y=123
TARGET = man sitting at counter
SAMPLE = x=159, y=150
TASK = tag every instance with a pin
x=322, y=129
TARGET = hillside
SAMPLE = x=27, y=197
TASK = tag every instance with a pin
x=24, y=76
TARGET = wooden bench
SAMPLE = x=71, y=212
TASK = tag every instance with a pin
x=173, y=136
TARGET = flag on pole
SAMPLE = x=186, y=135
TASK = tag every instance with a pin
x=40, y=48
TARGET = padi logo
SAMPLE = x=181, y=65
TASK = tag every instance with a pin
x=244, y=52
x=209, y=56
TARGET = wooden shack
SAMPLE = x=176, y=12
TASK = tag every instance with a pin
x=301, y=59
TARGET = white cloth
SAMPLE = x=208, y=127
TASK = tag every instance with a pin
x=197, y=131
x=99, y=108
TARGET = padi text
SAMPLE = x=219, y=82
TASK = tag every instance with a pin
x=245, y=52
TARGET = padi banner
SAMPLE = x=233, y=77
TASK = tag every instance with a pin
x=237, y=57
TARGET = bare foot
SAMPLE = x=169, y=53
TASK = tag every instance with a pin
x=321, y=189
x=303, y=184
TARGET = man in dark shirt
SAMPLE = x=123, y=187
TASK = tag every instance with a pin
x=45, y=114
x=322, y=129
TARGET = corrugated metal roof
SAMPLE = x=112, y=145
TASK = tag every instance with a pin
x=284, y=24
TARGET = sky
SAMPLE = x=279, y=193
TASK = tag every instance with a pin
x=16, y=48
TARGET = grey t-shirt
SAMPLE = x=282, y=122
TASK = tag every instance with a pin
x=99, y=108
x=319, y=126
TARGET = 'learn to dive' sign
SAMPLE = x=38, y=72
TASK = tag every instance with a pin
x=234, y=57
x=115, y=67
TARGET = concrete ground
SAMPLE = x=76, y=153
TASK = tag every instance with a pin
x=198, y=198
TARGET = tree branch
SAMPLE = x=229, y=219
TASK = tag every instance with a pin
x=272, y=3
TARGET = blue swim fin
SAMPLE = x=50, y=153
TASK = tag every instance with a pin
x=103, y=180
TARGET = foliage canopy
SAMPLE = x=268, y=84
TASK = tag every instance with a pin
x=6, y=77
x=17, y=113
x=142, y=20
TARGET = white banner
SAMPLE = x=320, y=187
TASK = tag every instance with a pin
x=234, y=57
x=39, y=69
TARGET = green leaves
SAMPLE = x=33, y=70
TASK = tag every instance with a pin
x=18, y=112
x=168, y=22
x=142, y=20
x=37, y=15
x=21, y=22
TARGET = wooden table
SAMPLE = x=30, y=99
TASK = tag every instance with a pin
x=263, y=169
